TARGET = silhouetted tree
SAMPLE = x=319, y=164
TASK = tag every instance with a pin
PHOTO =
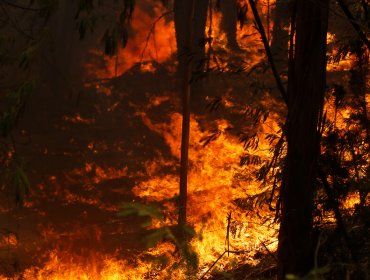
x=306, y=88
x=185, y=18
x=190, y=22
x=229, y=21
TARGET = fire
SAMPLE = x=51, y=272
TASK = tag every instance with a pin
x=351, y=200
x=9, y=239
x=213, y=189
x=60, y=267
x=153, y=40
x=216, y=182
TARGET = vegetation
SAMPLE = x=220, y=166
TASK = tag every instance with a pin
x=313, y=64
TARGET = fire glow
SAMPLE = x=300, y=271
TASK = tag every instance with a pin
x=214, y=185
x=216, y=181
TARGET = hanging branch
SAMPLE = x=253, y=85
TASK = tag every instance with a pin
x=353, y=22
x=14, y=5
x=268, y=51
x=151, y=31
x=14, y=23
x=333, y=203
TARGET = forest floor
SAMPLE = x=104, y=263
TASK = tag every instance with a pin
x=85, y=150
x=87, y=146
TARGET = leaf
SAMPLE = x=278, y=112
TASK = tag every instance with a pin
x=135, y=208
x=189, y=231
x=159, y=235
x=21, y=183
x=292, y=277
x=110, y=42
x=82, y=28
x=124, y=37
x=242, y=11
x=27, y=55
x=249, y=159
x=15, y=104
x=190, y=256
x=47, y=7
x=128, y=9
x=249, y=141
x=214, y=104
x=209, y=138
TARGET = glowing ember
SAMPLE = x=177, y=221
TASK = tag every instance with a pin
x=78, y=119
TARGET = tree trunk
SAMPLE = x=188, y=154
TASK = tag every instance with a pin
x=184, y=21
x=280, y=33
x=306, y=88
x=186, y=50
x=228, y=9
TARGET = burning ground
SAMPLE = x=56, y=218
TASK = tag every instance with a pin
x=120, y=143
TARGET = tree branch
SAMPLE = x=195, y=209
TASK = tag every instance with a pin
x=151, y=31
x=268, y=51
x=14, y=23
x=333, y=204
x=354, y=24
x=14, y=5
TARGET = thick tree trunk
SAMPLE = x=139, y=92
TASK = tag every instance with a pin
x=306, y=90
x=228, y=9
x=280, y=33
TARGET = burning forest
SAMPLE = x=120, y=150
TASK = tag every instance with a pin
x=185, y=139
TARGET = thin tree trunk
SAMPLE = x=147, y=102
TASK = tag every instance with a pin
x=306, y=88
x=195, y=50
x=184, y=17
x=190, y=22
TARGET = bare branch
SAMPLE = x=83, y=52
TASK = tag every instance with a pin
x=14, y=5
x=354, y=24
x=268, y=51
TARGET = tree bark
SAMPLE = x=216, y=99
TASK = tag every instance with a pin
x=306, y=88
x=184, y=22
x=280, y=33
x=194, y=50
x=228, y=9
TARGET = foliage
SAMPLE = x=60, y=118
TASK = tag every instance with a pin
x=163, y=233
x=15, y=105
x=91, y=12
x=23, y=31
x=315, y=274
x=13, y=176
x=345, y=142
